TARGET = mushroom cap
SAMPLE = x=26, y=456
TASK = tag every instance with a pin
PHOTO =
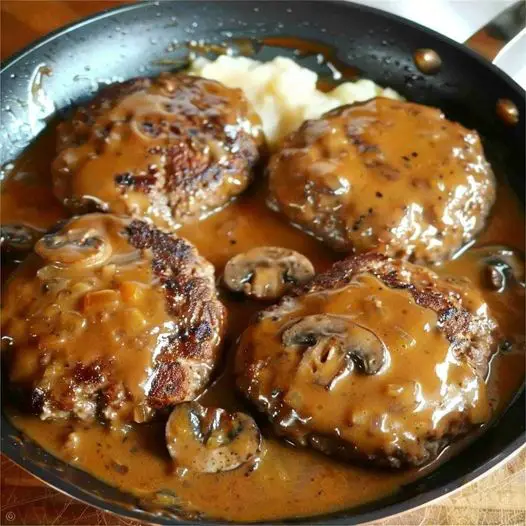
x=210, y=440
x=358, y=343
x=80, y=247
x=503, y=266
x=267, y=272
x=17, y=239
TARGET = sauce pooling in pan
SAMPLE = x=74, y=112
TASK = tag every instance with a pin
x=288, y=481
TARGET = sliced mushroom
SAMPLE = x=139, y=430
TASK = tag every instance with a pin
x=17, y=240
x=209, y=440
x=80, y=247
x=502, y=267
x=335, y=337
x=326, y=362
x=267, y=272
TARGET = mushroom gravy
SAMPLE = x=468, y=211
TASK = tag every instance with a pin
x=287, y=481
x=93, y=318
x=366, y=370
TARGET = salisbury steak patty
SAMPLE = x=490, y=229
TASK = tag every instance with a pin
x=376, y=360
x=111, y=318
x=384, y=173
x=170, y=148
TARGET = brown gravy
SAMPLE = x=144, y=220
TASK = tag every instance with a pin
x=289, y=482
x=355, y=157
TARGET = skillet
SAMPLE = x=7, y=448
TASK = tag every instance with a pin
x=129, y=41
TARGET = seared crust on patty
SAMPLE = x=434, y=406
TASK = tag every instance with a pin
x=170, y=148
x=189, y=288
x=387, y=175
x=111, y=318
x=306, y=362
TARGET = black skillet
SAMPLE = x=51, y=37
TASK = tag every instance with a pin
x=129, y=41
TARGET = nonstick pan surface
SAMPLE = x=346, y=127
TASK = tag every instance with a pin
x=133, y=40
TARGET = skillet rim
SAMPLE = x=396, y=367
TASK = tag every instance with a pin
x=341, y=517
x=143, y=4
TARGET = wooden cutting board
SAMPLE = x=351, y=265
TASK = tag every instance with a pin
x=497, y=499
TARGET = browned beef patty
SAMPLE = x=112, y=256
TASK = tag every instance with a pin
x=111, y=318
x=384, y=173
x=171, y=148
x=377, y=360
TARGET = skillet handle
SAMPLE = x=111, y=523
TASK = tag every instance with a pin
x=491, y=39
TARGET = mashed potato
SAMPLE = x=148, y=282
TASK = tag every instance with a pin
x=282, y=92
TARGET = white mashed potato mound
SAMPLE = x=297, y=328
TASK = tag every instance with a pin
x=283, y=93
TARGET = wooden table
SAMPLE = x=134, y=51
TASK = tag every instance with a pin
x=497, y=499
